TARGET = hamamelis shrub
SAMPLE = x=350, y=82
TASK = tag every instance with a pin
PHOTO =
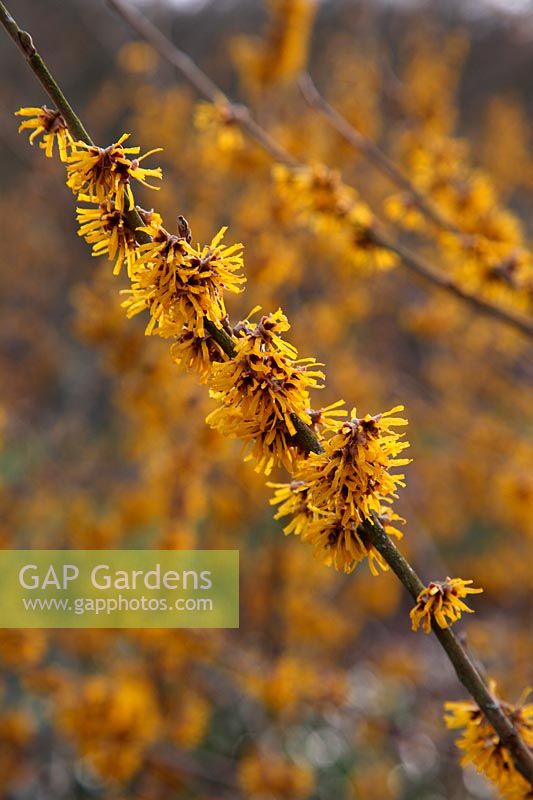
x=324, y=692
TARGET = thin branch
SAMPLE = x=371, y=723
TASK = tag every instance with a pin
x=215, y=771
x=424, y=270
x=380, y=160
x=372, y=153
x=383, y=163
x=242, y=116
x=464, y=668
x=25, y=44
x=199, y=80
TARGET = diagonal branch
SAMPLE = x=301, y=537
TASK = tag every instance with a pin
x=419, y=267
x=464, y=668
x=373, y=153
x=200, y=81
x=382, y=162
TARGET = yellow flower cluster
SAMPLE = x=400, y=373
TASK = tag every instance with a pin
x=105, y=173
x=17, y=736
x=104, y=227
x=488, y=252
x=180, y=284
x=268, y=774
x=483, y=748
x=112, y=720
x=262, y=389
x=318, y=197
x=334, y=492
x=186, y=724
x=289, y=37
x=290, y=683
x=441, y=601
x=22, y=647
x=196, y=353
x=283, y=52
x=217, y=121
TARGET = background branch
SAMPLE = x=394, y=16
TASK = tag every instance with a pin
x=242, y=116
x=199, y=80
x=372, y=153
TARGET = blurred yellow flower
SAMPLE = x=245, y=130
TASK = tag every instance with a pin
x=113, y=719
x=267, y=774
x=138, y=58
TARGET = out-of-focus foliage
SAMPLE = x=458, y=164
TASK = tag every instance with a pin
x=323, y=692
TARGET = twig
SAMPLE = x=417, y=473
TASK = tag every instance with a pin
x=218, y=772
x=372, y=153
x=465, y=670
x=25, y=44
x=242, y=116
x=424, y=270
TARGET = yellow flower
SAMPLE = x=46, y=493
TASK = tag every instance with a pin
x=137, y=57
x=344, y=545
x=365, y=253
x=482, y=747
x=17, y=731
x=353, y=475
x=290, y=683
x=283, y=52
x=53, y=127
x=181, y=284
x=334, y=492
x=217, y=120
x=113, y=720
x=401, y=208
x=327, y=418
x=260, y=391
x=293, y=501
x=318, y=198
x=21, y=647
x=196, y=353
x=105, y=173
x=441, y=601
x=316, y=195
x=188, y=719
x=106, y=230
x=336, y=543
